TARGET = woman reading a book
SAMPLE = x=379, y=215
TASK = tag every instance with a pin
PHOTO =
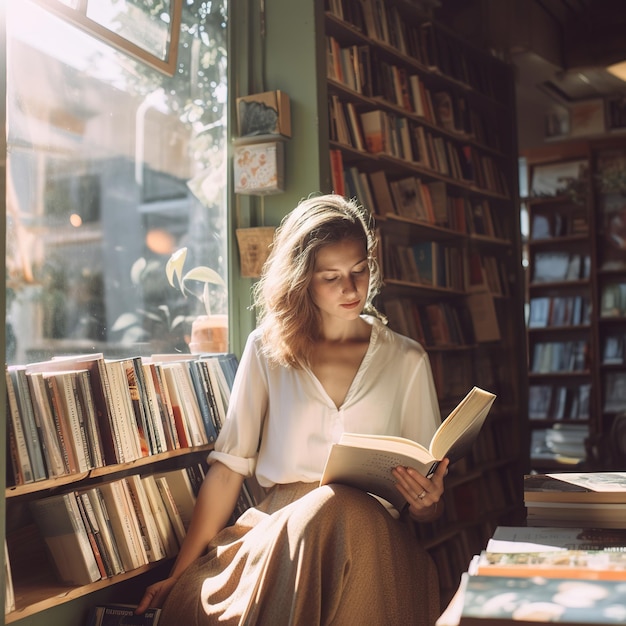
x=321, y=362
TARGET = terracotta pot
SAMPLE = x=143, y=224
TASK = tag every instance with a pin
x=209, y=333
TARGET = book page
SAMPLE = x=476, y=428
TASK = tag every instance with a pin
x=457, y=432
x=370, y=469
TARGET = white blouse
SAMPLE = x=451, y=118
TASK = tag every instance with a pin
x=281, y=422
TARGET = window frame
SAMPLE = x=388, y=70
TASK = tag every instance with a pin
x=78, y=17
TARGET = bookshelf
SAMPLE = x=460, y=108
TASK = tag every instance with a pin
x=576, y=327
x=165, y=458
x=421, y=131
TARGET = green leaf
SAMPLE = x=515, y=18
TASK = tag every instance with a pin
x=206, y=299
x=204, y=274
x=137, y=270
x=178, y=320
x=174, y=267
x=125, y=321
x=151, y=316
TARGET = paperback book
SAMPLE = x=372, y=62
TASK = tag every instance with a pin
x=121, y=615
x=366, y=461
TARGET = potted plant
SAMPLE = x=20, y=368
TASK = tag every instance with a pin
x=209, y=332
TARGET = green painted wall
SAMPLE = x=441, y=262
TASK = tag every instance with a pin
x=287, y=58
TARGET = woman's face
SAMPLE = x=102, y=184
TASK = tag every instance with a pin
x=341, y=279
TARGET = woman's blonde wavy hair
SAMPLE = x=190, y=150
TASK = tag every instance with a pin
x=287, y=316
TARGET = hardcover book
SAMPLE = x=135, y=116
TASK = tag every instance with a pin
x=61, y=526
x=365, y=461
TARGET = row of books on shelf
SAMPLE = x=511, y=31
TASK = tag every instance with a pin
x=425, y=201
x=435, y=324
x=118, y=526
x=559, y=356
x=547, y=311
x=382, y=22
x=385, y=133
x=560, y=266
x=559, y=402
x=614, y=392
x=548, y=226
x=613, y=300
x=613, y=349
x=566, y=566
x=97, y=533
x=446, y=324
x=435, y=264
x=365, y=72
x=428, y=263
x=425, y=42
x=377, y=20
x=72, y=414
x=415, y=199
x=486, y=272
x=454, y=58
x=453, y=369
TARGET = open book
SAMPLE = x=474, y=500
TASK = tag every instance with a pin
x=366, y=461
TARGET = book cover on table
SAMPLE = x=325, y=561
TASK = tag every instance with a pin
x=365, y=461
x=512, y=600
x=545, y=538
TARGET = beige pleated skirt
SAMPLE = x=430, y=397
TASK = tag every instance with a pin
x=305, y=556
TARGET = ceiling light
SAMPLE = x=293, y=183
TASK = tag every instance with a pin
x=618, y=69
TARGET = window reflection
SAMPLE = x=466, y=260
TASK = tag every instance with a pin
x=112, y=166
x=147, y=30
x=135, y=21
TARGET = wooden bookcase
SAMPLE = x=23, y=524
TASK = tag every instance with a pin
x=37, y=588
x=577, y=320
x=36, y=584
x=422, y=132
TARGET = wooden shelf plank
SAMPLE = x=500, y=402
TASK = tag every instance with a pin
x=35, y=597
x=99, y=472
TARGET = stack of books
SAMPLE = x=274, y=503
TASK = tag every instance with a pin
x=530, y=575
x=590, y=499
x=567, y=565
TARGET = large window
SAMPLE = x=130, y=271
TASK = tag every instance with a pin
x=113, y=165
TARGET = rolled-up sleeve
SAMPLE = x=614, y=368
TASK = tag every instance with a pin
x=238, y=442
